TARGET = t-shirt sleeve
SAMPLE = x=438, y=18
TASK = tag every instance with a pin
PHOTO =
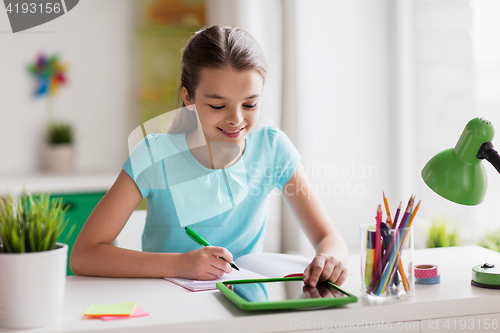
x=285, y=156
x=136, y=166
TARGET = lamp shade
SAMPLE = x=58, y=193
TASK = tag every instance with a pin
x=457, y=174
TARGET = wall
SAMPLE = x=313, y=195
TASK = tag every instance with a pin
x=96, y=41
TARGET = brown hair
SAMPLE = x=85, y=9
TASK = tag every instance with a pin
x=219, y=48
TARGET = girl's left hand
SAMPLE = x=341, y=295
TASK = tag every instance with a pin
x=325, y=267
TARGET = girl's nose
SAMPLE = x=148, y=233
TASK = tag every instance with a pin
x=235, y=117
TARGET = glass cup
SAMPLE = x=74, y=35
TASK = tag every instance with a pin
x=388, y=276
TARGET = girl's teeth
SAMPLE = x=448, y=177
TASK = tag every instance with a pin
x=233, y=131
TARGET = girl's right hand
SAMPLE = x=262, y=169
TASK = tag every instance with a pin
x=204, y=263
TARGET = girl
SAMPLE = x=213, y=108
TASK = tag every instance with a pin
x=221, y=84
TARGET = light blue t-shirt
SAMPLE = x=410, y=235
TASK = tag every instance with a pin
x=228, y=207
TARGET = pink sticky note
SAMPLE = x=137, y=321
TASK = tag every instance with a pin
x=136, y=313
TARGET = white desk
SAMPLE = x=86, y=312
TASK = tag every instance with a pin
x=173, y=309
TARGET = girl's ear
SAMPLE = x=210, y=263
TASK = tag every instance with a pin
x=187, y=100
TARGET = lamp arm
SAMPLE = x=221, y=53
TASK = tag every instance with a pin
x=487, y=152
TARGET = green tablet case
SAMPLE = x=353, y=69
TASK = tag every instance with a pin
x=300, y=303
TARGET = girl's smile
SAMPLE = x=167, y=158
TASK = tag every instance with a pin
x=233, y=134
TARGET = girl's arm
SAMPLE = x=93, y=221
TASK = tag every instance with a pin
x=331, y=250
x=94, y=255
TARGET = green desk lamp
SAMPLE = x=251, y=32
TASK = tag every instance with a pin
x=458, y=175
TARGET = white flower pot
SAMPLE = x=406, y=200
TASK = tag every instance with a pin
x=32, y=288
x=59, y=158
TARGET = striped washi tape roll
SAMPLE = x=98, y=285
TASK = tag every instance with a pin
x=426, y=271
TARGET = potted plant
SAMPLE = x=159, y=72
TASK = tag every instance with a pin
x=491, y=240
x=59, y=153
x=440, y=235
x=33, y=264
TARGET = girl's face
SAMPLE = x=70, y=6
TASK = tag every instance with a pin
x=228, y=103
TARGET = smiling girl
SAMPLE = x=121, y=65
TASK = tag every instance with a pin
x=227, y=201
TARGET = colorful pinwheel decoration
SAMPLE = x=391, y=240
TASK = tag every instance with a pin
x=50, y=74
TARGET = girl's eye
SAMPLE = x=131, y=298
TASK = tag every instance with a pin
x=250, y=106
x=216, y=107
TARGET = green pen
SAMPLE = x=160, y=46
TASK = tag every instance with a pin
x=198, y=239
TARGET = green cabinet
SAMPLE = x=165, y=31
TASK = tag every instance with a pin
x=80, y=207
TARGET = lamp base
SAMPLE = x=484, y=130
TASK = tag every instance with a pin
x=482, y=285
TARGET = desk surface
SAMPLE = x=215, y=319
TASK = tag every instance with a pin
x=174, y=309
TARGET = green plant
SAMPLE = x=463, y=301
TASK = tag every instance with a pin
x=491, y=241
x=60, y=133
x=439, y=235
x=31, y=223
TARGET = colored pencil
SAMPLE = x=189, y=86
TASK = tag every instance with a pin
x=413, y=214
x=387, y=210
x=400, y=263
x=407, y=211
x=377, y=261
x=395, y=222
x=403, y=275
x=405, y=280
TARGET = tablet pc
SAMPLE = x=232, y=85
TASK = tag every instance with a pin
x=283, y=293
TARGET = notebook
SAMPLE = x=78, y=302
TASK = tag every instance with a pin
x=252, y=266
